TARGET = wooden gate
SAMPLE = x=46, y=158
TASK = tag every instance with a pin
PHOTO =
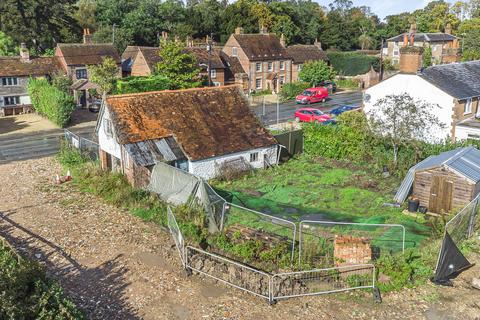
x=440, y=195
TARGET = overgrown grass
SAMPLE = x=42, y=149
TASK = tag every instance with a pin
x=26, y=292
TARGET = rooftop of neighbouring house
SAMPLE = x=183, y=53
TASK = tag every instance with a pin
x=87, y=54
x=425, y=37
x=39, y=66
x=460, y=80
x=262, y=46
x=202, y=55
x=205, y=122
x=300, y=53
x=150, y=54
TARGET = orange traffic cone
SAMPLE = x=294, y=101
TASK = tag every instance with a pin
x=69, y=176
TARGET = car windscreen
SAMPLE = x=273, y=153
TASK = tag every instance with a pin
x=317, y=112
x=307, y=93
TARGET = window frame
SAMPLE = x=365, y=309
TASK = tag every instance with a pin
x=270, y=66
x=254, y=156
x=213, y=73
x=234, y=52
x=282, y=65
x=107, y=127
x=83, y=71
x=16, y=102
x=261, y=84
x=467, y=108
x=258, y=67
x=13, y=81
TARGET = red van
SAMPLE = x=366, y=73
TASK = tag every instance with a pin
x=312, y=95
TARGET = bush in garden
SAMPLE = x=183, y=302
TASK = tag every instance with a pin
x=352, y=63
x=50, y=101
x=315, y=72
x=142, y=84
x=290, y=90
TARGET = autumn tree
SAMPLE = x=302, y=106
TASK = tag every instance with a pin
x=404, y=120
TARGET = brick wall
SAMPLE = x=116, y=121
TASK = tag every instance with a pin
x=349, y=250
x=410, y=59
x=140, y=66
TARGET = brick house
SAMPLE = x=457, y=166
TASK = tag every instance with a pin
x=454, y=87
x=142, y=61
x=198, y=130
x=14, y=74
x=444, y=46
x=301, y=53
x=263, y=58
x=74, y=59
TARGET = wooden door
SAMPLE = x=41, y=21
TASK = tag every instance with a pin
x=440, y=195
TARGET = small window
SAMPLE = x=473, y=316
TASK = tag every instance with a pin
x=234, y=52
x=81, y=73
x=12, y=101
x=299, y=67
x=258, y=66
x=270, y=66
x=258, y=83
x=107, y=127
x=472, y=136
x=468, y=106
x=213, y=73
x=10, y=81
x=282, y=65
x=254, y=157
x=216, y=84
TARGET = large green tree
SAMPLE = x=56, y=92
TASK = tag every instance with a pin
x=7, y=46
x=469, y=31
x=315, y=72
x=104, y=74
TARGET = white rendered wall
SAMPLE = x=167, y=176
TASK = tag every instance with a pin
x=419, y=89
x=107, y=143
x=207, y=169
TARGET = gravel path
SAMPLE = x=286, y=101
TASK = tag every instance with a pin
x=115, y=266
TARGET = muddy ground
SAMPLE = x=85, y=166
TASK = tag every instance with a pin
x=115, y=266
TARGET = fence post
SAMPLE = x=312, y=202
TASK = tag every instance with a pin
x=473, y=215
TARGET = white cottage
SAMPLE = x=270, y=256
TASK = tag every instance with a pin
x=455, y=88
x=200, y=130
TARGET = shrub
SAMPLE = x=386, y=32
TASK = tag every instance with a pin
x=347, y=83
x=290, y=90
x=352, y=63
x=142, y=84
x=315, y=72
x=50, y=101
x=26, y=293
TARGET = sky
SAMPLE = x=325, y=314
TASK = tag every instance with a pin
x=383, y=8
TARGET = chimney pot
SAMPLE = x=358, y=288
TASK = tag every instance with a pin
x=87, y=37
x=318, y=44
x=238, y=30
x=263, y=30
x=282, y=40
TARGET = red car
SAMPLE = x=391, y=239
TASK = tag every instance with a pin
x=310, y=115
x=312, y=95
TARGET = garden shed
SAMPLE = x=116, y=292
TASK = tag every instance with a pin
x=443, y=182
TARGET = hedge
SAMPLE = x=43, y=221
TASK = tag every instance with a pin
x=142, y=84
x=290, y=90
x=351, y=140
x=50, y=101
x=26, y=293
x=352, y=63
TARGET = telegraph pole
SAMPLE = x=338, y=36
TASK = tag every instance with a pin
x=209, y=49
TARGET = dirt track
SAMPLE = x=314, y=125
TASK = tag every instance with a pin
x=115, y=266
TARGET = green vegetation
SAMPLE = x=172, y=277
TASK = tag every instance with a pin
x=142, y=84
x=104, y=74
x=352, y=63
x=290, y=90
x=50, y=101
x=315, y=72
x=26, y=292
x=427, y=57
x=347, y=83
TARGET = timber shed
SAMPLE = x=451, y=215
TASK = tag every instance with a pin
x=448, y=180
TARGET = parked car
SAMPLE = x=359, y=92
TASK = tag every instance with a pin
x=338, y=111
x=95, y=106
x=330, y=85
x=312, y=95
x=311, y=115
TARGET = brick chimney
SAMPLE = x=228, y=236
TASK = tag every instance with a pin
x=87, y=37
x=410, y=59
x=24, y=53
x=448, y=29
x=318, y=44
x=238, y=30
x=282, y=40
x=263, y=30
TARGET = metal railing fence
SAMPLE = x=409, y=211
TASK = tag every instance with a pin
x=316, y=239
x=88, y=148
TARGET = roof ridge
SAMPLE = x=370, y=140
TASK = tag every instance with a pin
x=127, y=95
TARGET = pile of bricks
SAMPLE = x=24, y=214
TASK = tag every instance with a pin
x=349, y=250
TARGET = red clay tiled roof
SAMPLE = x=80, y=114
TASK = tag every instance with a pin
x=88, y=54
x=206, y=122
x=39, y=66
x=261, y=46
x=301, y=53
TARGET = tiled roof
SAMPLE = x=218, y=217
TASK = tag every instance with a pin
x=460, y=80
x=201, y=54
x=206, y=122
x=152, y=56
x=259, y=47
x=231, y=63
x=87, y=54
x=15, y=66
x=425, y=37
x=301, y=53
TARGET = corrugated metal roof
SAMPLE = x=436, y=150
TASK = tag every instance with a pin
x=465, y=161
x=150, y=152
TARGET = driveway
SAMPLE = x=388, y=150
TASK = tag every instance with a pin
x=287, y=109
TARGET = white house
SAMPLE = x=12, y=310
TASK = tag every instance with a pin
x=455, y=88
x=200, y=130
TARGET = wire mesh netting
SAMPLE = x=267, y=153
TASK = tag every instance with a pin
x=464, y=224
x=320, y=281
x=257, y=225
x=176, y=234
x=89, y=149
x=324, y=244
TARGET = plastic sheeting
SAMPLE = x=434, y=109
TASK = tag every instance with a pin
x=179, y=187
